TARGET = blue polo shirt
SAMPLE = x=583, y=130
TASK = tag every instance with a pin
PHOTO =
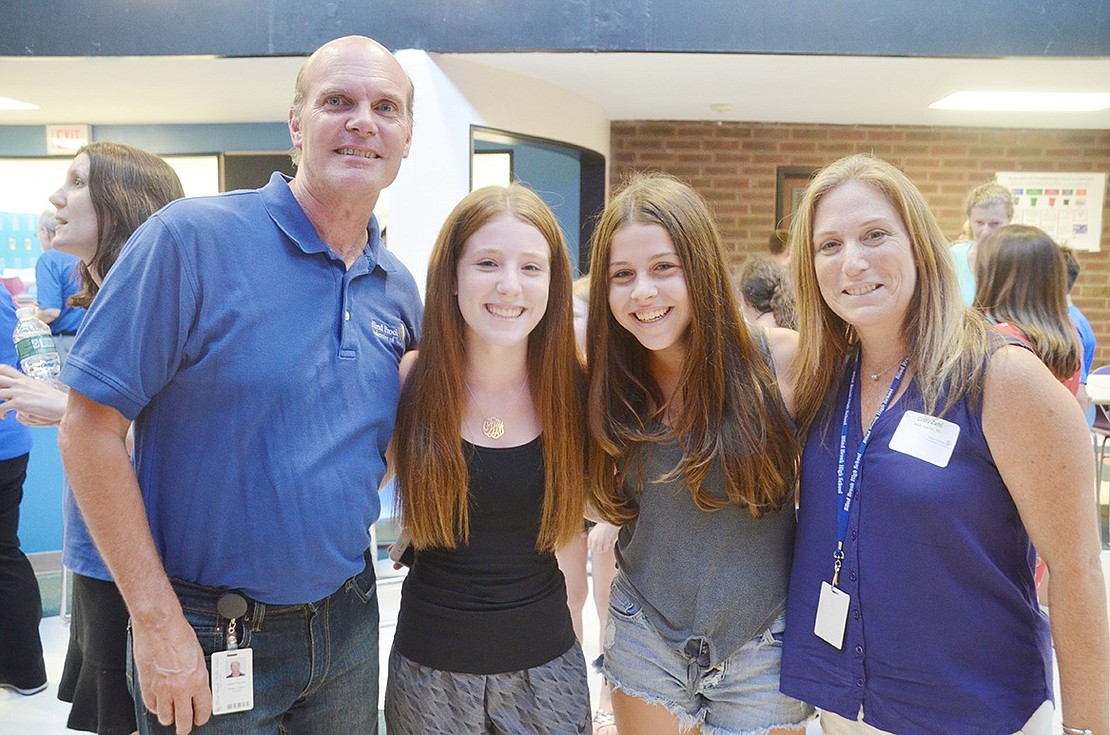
x=56, y=279
x=261, y=374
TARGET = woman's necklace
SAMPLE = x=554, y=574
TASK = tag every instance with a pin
x=492, y=426
x=884, y=371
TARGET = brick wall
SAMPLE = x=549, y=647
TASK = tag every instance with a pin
x=733, y=165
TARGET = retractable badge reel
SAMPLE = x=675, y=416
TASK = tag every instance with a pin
x=232, y=669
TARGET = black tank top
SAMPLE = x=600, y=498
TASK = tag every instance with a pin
x=493, y=605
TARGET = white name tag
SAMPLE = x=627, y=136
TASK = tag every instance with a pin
x=232, y=681
x=832, y=615
x=925, y=437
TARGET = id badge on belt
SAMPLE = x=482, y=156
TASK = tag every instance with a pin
x=233, y=669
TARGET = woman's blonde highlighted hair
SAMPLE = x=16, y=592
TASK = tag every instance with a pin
x=432, y=478
x=948, y=343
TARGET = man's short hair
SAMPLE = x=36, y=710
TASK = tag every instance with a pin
x=46, y=220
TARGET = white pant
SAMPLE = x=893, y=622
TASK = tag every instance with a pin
x=833, y=724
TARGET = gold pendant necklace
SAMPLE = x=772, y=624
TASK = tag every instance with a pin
x=492, y=426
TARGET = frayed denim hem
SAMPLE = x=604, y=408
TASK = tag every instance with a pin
x=686, y=721
x=798, y=726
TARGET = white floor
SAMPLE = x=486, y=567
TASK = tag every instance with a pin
x=43, y=714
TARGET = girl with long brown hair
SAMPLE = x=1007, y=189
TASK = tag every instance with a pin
x=489, y=445
x=693, y=453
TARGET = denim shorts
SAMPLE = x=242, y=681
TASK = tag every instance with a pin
x=738, y=696
x=315, y=664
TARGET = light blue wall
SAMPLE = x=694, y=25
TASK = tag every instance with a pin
x=30, y=140
x=40, y=513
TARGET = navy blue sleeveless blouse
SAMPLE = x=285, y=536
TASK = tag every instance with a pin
x=944, y=633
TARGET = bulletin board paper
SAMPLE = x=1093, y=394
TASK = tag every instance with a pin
x=1068, y=206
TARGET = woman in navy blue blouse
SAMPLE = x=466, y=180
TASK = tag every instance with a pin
x=937, y=457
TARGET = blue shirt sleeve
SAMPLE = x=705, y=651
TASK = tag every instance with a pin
x=133, y=341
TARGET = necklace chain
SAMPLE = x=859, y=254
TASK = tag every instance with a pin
x=493, y=427
x=884, y=371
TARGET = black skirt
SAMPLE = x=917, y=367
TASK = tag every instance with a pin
x=94, y=679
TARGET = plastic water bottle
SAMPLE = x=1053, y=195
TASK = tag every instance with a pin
x=35, y=345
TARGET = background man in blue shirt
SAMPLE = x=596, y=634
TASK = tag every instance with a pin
x=56, y=279
x=255, y=338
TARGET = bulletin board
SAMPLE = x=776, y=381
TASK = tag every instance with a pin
x=1068, y=206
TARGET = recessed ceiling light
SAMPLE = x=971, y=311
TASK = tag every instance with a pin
x=10, y=104
x=721, y=107
x=1025, y=101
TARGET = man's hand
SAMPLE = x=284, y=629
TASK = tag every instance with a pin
x=172, y=675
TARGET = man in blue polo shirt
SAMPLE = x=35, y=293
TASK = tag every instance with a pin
x=56, y=279
x=254, y=338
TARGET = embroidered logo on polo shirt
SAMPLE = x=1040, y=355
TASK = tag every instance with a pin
x=390, y=334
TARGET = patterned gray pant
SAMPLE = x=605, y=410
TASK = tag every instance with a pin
x=550, y=699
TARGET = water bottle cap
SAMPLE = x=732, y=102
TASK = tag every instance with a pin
x=25, y=311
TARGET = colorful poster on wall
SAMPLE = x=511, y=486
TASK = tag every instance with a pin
x=1068, y=206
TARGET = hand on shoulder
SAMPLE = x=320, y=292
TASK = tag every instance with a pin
x=406, y=364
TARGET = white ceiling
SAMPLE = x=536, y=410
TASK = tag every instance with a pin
x=627, y=86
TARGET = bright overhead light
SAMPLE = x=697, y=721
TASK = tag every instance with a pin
x=7, y=103
x=1025, y=101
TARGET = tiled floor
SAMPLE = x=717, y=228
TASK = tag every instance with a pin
x=43, y=714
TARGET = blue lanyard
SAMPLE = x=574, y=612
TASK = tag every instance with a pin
x=845, y=497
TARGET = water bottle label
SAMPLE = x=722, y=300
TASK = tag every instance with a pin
x=35, y=345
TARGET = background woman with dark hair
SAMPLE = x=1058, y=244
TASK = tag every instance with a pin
x=1021, y=286
x=110, y=189
x=767, y=293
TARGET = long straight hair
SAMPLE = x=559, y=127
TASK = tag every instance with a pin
x=732, y=411
x=126, y=186
x=432, y=479
x=948, y=342
x=1021, y=278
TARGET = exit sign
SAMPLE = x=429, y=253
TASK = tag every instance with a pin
x=64, y=140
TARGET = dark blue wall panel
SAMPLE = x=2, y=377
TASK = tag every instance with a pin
x=279, y=27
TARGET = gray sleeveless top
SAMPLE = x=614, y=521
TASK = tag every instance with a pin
x=718, y=576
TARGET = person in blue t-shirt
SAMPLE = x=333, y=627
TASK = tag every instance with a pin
x=254, y=338
x=57, y=279
x=1086, y=333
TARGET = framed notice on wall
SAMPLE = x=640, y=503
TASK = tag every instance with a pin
x=1066, y=206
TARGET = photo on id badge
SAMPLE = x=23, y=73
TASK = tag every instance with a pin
x=232, y=681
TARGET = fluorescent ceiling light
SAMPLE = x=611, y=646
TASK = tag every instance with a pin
x=1025, y=101
x=10, y=104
